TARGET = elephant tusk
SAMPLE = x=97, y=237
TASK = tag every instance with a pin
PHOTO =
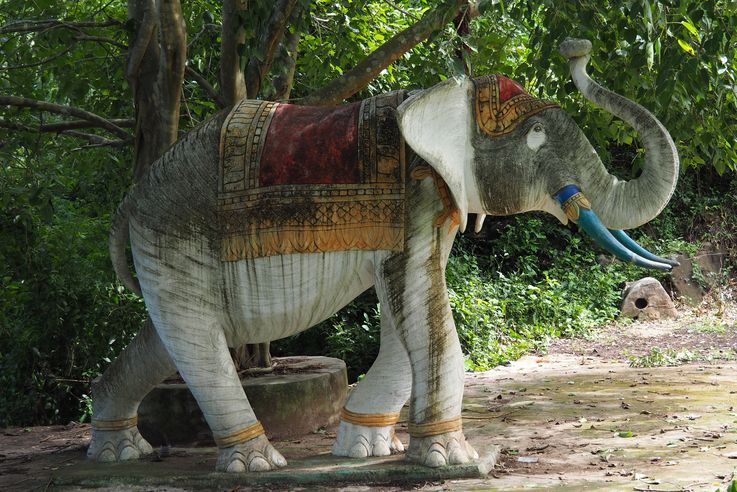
x=632, y=245
x=479, y=222
x=578, y=209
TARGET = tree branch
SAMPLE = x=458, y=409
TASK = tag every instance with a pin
x=17, y=126
x=41, y=62
x=35, y=26
x=75, y=125
x=97, y=140
x=205, y=85
x=63, y=125
x=284, y=81
x=144, y=36
x=173, y=33
x=232, y=81
x=260, y=61
x=98, y=121
x=356, y=78
x=287, y=60
x=100, y=39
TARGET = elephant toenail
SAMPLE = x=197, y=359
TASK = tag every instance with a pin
x=435, y=459
x=359, y=450
x=107, y=455
x=381, y=448
x=276, y=458
x=258, y=464
x=236, y=466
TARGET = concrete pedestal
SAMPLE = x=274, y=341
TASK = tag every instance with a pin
x=300, y=396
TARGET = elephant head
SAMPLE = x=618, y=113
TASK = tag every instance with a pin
x=502, y=152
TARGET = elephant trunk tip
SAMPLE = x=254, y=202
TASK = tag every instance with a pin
x=575, y=48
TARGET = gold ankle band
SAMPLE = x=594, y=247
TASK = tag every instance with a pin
x=434, y=428
x=242, y=435
x=113, y=425
x=369, y=419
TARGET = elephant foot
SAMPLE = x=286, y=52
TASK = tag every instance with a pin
x=109, y=446
x=359, y=441
x=254, y=455
x=450, y=448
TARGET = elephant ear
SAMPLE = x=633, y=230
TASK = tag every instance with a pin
x=437, y=124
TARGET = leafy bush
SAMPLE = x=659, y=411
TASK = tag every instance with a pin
x=63, y=316
x=533, y=281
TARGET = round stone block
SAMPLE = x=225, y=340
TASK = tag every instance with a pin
x=646, y=299
x=300, y=396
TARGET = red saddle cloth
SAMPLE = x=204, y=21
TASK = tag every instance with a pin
x=299, y=179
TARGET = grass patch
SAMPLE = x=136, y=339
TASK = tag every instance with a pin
x=707, y=326
x=662, y=357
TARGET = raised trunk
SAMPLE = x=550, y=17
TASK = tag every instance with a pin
x=626, y=204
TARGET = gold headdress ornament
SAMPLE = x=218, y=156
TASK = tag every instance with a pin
x=502, y=104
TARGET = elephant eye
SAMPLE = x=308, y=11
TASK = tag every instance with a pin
x=536, y=136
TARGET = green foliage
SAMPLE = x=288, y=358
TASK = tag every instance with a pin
x=63, y=316
x=533, y=281
x=662, y=357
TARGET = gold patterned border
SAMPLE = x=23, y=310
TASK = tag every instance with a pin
x=497, y=118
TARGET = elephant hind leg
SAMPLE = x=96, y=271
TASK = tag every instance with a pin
x=367, y=424
x=197, y=344
x=116, y=395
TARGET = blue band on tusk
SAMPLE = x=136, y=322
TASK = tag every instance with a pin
x=572, y=200
x=566, y=192
x=630, y=244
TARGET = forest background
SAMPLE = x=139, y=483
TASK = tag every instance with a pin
x=91, y=92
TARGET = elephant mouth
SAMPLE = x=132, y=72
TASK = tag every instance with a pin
x=578, y=209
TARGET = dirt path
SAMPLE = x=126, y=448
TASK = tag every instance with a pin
x=579, y=417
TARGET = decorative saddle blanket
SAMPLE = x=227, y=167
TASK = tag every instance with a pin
x=298, y=179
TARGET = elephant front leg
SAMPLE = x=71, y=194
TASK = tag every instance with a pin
x=413, y=286
x=367, y=421
x=116, y=396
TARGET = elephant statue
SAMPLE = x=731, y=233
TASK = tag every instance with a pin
x=269, y=218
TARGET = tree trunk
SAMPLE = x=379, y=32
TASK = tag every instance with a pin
x=288, y=62
x=232, y=80
x=155, y=72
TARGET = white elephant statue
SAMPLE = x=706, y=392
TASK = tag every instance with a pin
x=268, y=219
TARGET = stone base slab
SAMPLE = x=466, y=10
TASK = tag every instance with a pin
x=191, y=469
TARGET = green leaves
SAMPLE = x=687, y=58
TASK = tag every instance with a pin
x=686, y=47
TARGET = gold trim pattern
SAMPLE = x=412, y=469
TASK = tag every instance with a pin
x=115, y=424
x=242, y=435
x=256, y=221
x=572, y=206
x=497, y=117
x=369, y=419
x=434, y=428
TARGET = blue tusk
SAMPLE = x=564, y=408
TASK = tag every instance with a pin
x=578, y=209
x=630, y=244
x=589, y=222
